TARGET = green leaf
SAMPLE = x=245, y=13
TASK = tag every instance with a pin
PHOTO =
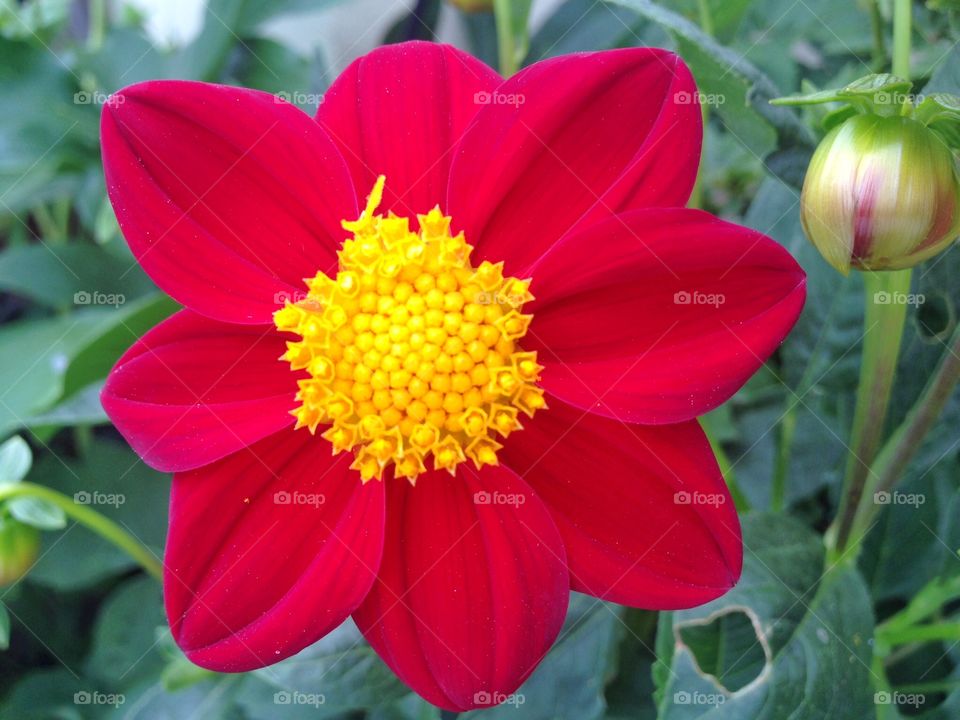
x=586, y=25
x=946, y=77
x=15, y=460
x=123, y=327
x=124, y=636
x=112, y=480
x=44, y=694
x=40, y=359
x=412, y=707
x=44, y=135
x=941, y=113
x=738, y=90
x=38, y=513
x=82, y=408
x=341, y=667
x=813, y=633
x=71, y=276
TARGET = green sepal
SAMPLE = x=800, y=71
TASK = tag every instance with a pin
x=881, y=94
x=941, y=113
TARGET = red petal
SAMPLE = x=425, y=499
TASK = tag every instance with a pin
x=571, y=140
x=399, y=111
x=660, y=315
x=226, y=196
x=471, y=594
x=194, y=390
x=269, y=549
x=618, y=492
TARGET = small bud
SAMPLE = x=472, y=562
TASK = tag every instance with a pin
x=881, y=193
x=19, y=547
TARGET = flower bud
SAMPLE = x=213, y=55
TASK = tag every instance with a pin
x=881, y=193
x=19, y=547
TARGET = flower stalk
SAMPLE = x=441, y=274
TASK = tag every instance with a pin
x=883, y=331
x=896, y=454
x=102, y=526
x=883, y=324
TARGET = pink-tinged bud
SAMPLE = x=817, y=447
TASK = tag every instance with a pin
x=881, y=193
x=19, y=547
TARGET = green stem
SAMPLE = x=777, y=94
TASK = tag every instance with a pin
x=49, y=228
x=938, y=686
x=901, y=38
x=97, y=27
x=884, y=319
x=506, y=42
x=879, y=42
x=104, y=527
x=696, y=195
x=726, y=470
x=921, y=633
x=788, y=425
x=926, y=603
x=882, y=684
x=895, y=456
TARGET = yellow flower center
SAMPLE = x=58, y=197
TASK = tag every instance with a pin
x=412, y=352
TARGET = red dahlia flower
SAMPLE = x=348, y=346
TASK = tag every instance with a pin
x=517, y=447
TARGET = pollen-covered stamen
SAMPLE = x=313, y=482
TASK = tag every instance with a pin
x=412, y=352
